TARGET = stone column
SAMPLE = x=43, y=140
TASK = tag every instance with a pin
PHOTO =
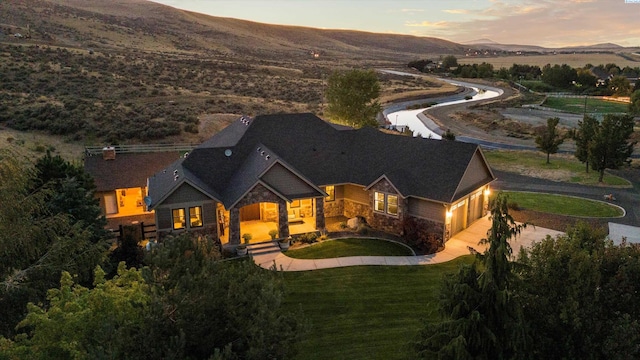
x=234, y=226
x=283, y=219
x=320, y=222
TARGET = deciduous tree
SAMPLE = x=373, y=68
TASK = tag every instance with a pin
x=584, y=137
x=352, y=97
x=548, y=140
x=611, y=146
x=634, y=106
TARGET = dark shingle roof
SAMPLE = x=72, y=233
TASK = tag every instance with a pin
x=326, y=154
x=127, y=170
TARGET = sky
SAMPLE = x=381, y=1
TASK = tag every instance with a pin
x=549, y=23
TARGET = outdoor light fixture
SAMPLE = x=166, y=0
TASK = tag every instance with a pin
x=487, y=192
x=449, y=214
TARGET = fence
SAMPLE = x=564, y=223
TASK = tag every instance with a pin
x=123, y=149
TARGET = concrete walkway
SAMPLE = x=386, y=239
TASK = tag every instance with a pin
x=268, y=254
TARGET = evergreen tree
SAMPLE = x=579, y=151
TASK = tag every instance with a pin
x=611, y=146
x=584, y=137
x=548, y=140
x=482, y=317
x=352, y=97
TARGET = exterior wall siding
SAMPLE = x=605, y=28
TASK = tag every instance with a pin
x=477, y=173
x=425, y=209
x=356, y=193
x=286, y=182
x=184, y=194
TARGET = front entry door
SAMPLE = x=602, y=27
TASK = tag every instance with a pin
x=250, y=212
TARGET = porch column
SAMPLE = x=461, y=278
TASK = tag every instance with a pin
x=283, y=219
x=234, y=226
x=320, y=223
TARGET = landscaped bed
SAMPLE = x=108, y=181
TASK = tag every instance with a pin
x=350, y=247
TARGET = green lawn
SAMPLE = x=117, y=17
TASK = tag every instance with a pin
x=366, y=312
x=562, y=167
x=350, y=247
x=564, y=205
x=576, y=105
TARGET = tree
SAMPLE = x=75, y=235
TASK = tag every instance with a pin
x=611, y=146
x=634, y=105
x=448, y=62
x=449, y=135
x=560, y=76
x=548, y=140
x=620, y=86
x=36, y=244
x=106, y=322
x=216, y=305
x=579, y=296
x=483, y=318
x=584, y=136
x=352, y=97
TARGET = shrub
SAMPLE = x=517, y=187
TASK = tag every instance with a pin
x=422, y=239
x=273, y=234
x=512, y=205
x=308, y=238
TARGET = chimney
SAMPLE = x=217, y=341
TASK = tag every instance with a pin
x=109, y=153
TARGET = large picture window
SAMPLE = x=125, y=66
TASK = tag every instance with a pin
x=385, y=203
x=178, y=219
x=331, y=193
x=195, y=216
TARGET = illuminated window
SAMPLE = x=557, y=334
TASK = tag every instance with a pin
x=195, y=216
x=392, y=204
x=178, y=219
x=378, y=199
x=331, y=193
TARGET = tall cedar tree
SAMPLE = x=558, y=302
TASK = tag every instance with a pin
x=549, y=140
x=352, y=97
x=483, y=319
x=583, y=137
x=611, y=146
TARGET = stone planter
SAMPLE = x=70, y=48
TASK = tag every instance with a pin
x=284, y=244
x=241, y=250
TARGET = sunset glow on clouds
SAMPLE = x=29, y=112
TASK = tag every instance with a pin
x=550, y=23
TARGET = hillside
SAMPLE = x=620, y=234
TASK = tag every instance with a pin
x=123, y=71
x=143, y=25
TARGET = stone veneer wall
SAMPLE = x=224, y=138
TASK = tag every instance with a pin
x=207, y=230
x=383, y=221
x=353, y=209
x=334, y=208
x=257, y=195
x=320, y=222
x=431, y=227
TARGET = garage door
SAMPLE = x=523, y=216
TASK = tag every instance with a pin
x=457, y=219
x=475, y=206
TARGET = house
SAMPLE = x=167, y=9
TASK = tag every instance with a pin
x=291, y=172
x=120, y=176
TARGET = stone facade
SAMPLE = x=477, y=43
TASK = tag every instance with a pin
x=431, y=227
x=383, y=221
x=353, y=209
x=334, y=208
x=320, y=223
x=257, y=195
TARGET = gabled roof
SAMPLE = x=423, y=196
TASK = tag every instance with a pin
x=127, y=170
x=322, y=154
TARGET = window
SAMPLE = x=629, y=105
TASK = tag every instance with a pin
x=385, y=203
x=178, y=218
x=195, y=216
x=331, y=193
x=378, y=199
x=392, y=204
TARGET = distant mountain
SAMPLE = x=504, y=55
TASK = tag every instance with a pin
x=492, y=45
x=148, y=26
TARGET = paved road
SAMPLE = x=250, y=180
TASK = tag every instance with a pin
x=627, y=198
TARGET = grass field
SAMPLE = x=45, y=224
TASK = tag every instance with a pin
x=563, y=205
x=573, y=60
x=577, y=105
x=366, y=312
x=565, y=168
x=350, y=247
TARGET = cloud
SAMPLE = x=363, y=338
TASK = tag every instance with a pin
x=457, y=11
x=428, y=24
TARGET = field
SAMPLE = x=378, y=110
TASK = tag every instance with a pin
x=573, y=60
x=577, y=105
